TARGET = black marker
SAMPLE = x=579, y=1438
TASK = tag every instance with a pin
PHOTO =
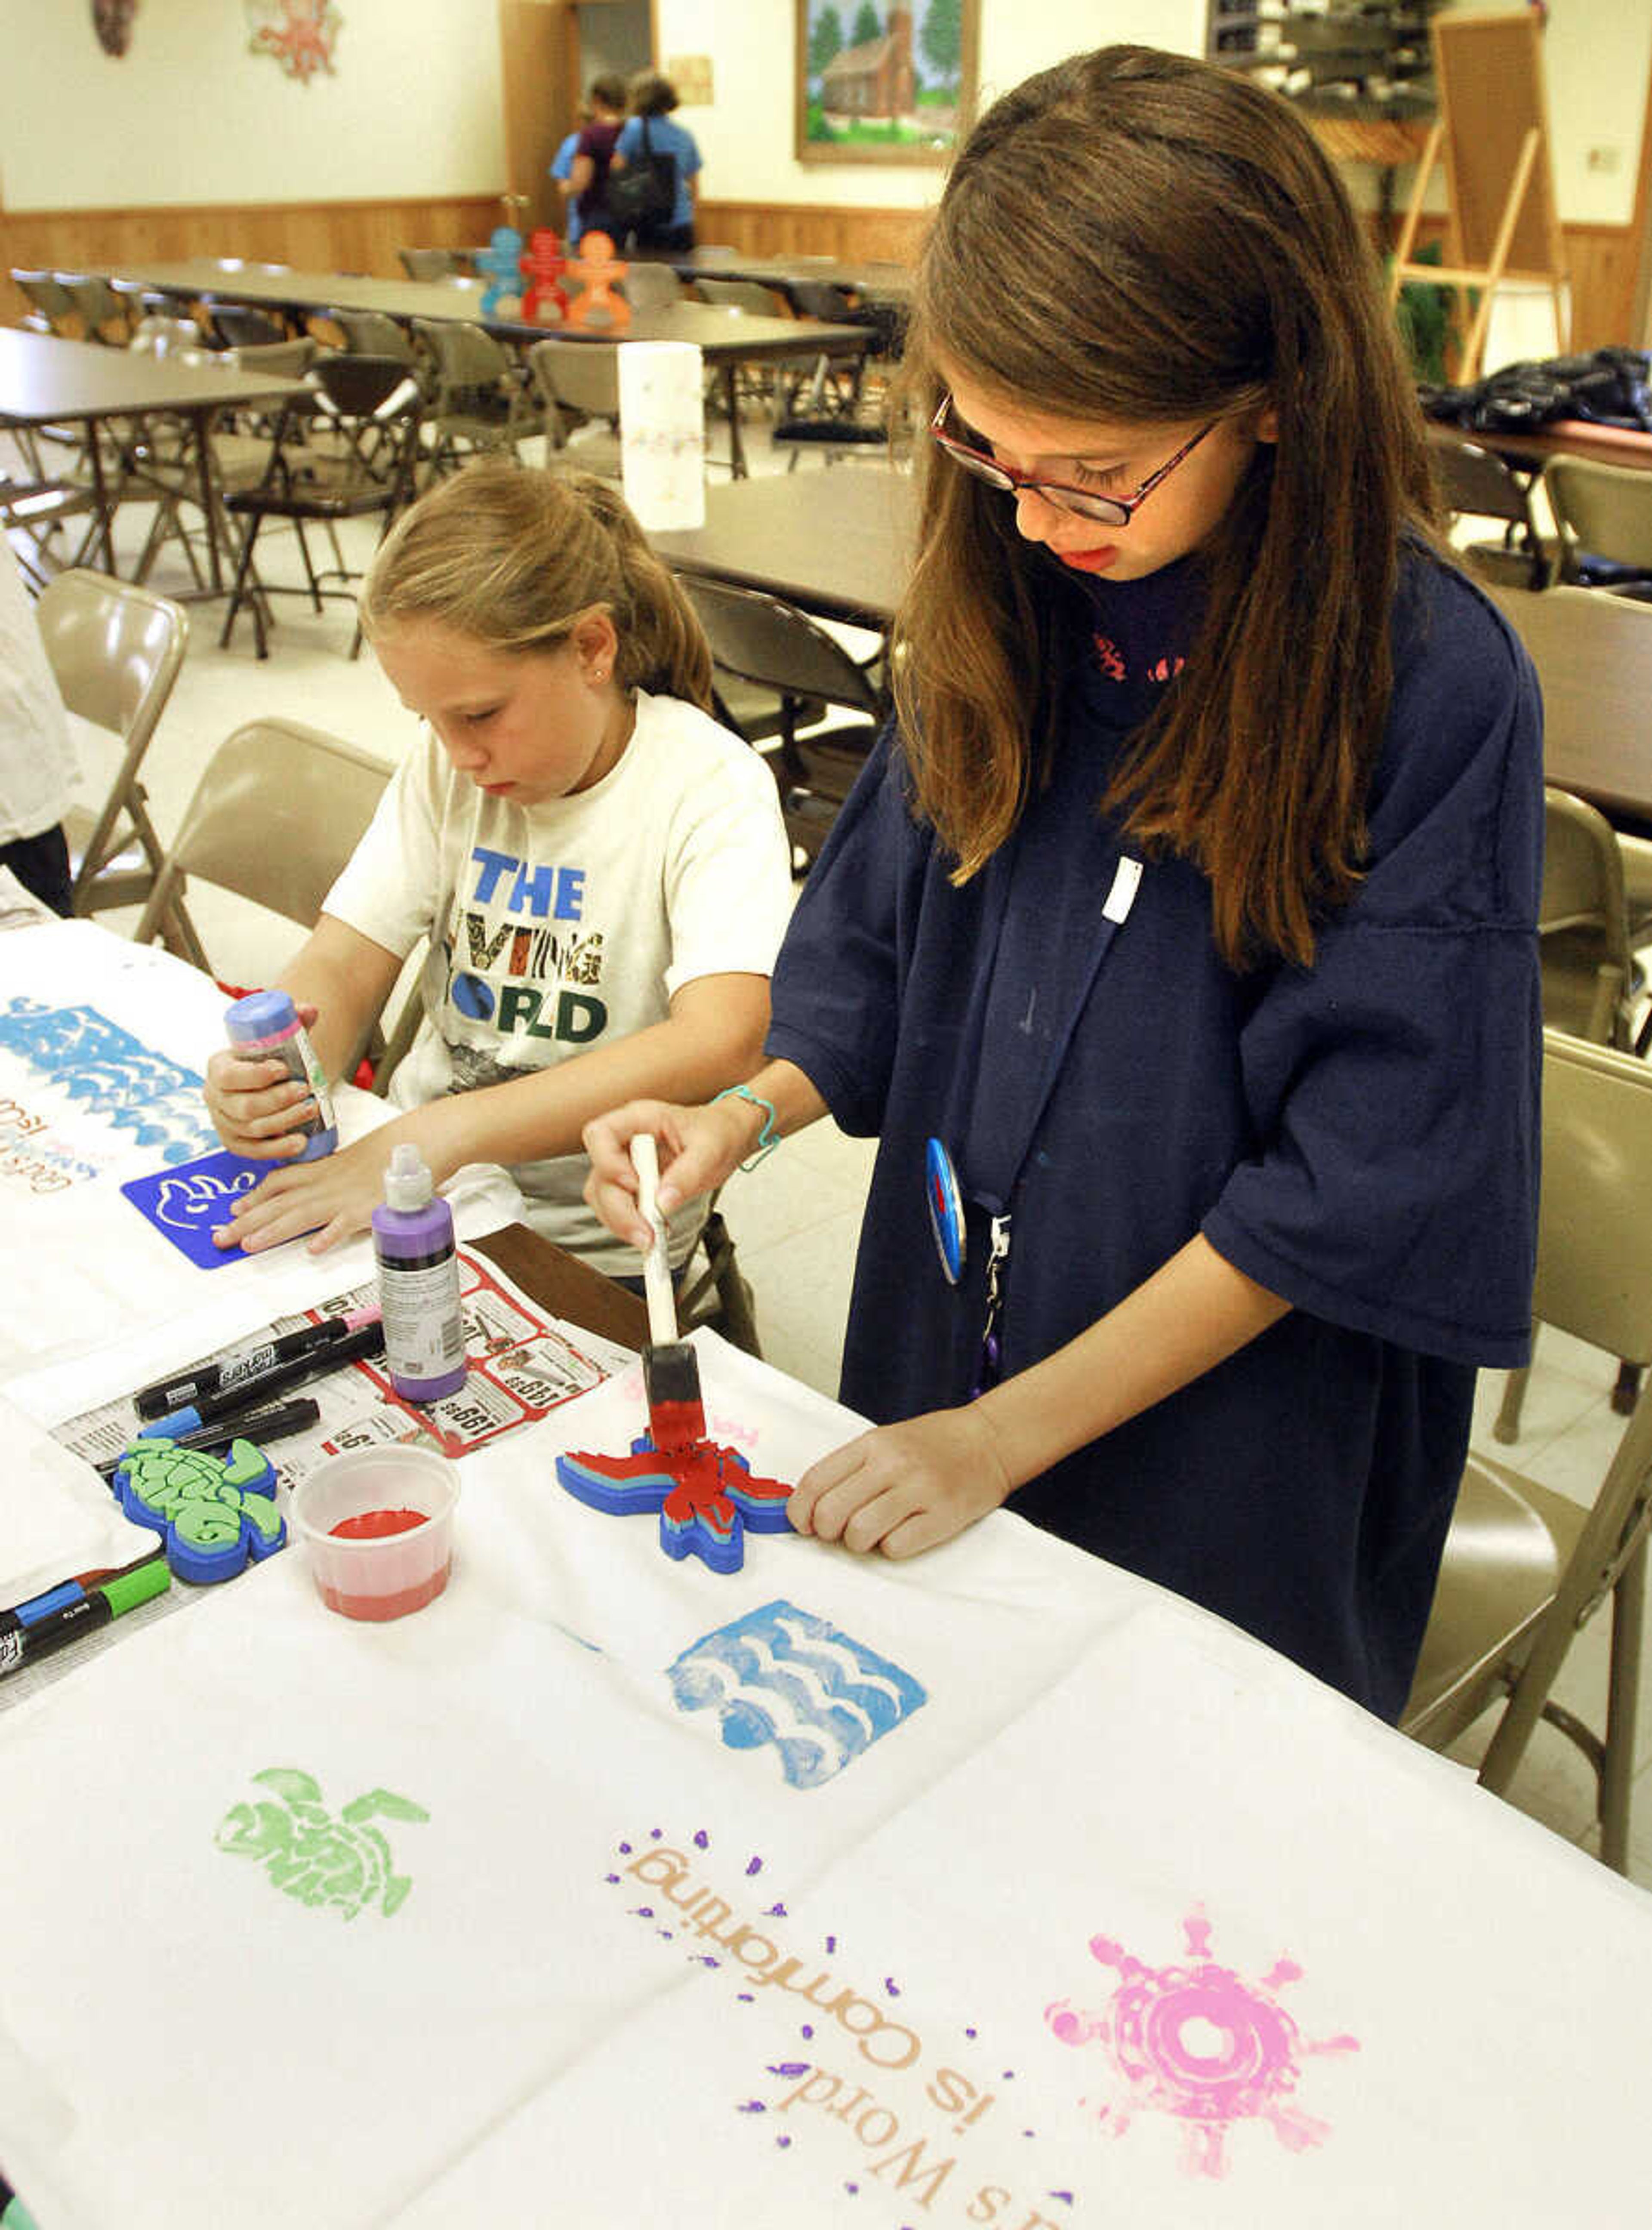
x=95, y=1609
x=245, y=1367
x=275, y=1423
x=216, y=1408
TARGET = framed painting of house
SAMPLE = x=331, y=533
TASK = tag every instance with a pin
x=884, y=80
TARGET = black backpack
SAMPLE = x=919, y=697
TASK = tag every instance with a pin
x=641, y=197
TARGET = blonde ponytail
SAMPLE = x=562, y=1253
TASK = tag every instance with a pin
x=511, y=556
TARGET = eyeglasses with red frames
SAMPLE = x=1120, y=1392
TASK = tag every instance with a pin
x=1114, y=510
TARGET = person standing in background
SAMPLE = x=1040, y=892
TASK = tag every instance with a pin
x=650, y=132
x=588, y=174
x=561, y=175
x=36, y=760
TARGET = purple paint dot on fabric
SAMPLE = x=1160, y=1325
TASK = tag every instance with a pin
x=1008, y=2076
x=891, y=1986
x=702, y=1841
x=668, y=1933
x=832, y=1943
x=789, y=2068
x=807, y=2029
x=624, y=1850
x=777, y=1912
x=752, y=2106
x=642, y=1912
x=969, y=2032
x=1065, y=2197
x=852, y=2189
x=755, y=1866
x=747, y=1999
x=782, y=2142
x=654, y=1835
x=612, y=1877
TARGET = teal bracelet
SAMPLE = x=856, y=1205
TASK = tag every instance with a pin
x=768, y=1136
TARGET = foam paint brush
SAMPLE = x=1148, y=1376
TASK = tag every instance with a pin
x=670, y=1369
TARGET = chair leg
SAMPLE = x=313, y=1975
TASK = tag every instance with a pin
x=1627, y=1390
x=239, y=592
x=739, y=1320
x=311, y=574
x=1617, y=1774
x=1507, y=1427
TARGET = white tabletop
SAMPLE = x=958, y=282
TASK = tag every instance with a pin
x=997, y=1886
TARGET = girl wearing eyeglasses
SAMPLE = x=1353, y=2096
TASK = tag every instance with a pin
x=1178, y=942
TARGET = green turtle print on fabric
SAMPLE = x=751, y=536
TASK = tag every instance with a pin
x=314, y=1858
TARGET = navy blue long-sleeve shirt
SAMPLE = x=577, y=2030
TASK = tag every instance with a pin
x=1360, y=1137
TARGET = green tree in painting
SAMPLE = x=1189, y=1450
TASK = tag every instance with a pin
x=942, y=38
x=868, y=25
x=825, y=39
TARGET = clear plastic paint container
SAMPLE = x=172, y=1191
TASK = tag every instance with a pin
x=377, y=1527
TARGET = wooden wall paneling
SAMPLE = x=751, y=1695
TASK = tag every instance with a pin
x=312, y=236
x=364, y=236
x=856, y=236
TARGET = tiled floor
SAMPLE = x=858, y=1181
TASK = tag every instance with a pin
x=796, y=1218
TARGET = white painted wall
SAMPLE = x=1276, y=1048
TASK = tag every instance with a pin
x=188, y=114
x=746, y=138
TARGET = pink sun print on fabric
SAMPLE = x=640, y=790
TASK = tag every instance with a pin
x=1198, y=2042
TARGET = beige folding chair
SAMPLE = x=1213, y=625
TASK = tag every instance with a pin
x=1604, y=513
x=105, y=315
x=274, y=819
x=51, y=307
x=115, y=651
x=651, y=286
x=766, y=641
x=481, y=401
x=433, y=263
x=1525, y=1568
x=1475, y=484
x=1582, y=923
x=34, y=509
x=1588, y=979
x=580, y=382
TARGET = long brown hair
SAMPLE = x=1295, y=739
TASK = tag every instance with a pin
x=512, y=557
x=1136, y=236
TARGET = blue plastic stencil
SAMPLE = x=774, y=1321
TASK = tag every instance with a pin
x=187, y=1204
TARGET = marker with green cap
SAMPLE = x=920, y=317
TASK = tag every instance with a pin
x=122, y=1592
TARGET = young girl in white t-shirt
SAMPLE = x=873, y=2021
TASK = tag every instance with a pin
x=600, y=869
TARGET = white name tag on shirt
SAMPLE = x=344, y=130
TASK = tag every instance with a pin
x=1126, y=881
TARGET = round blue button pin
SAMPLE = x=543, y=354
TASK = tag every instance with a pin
x=945, y=1208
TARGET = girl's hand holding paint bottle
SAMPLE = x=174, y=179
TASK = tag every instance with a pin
x=265, y=1092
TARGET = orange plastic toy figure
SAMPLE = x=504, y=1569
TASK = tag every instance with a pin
x=602, y=270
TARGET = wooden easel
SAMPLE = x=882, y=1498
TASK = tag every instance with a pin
x=1493, y=130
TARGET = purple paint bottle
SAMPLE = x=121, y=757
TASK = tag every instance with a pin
x=265, y=1026
x=418, y=1282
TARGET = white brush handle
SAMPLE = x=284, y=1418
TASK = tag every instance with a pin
x=656, y=1270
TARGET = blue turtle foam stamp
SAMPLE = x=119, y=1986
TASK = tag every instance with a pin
x=214, y=1512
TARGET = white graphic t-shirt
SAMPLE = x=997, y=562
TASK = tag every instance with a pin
x=556, y=927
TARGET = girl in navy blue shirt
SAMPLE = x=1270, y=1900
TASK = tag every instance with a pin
x=1188, y=904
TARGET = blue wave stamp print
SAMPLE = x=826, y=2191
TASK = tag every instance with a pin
x=780, y=1676
x=111, y=1073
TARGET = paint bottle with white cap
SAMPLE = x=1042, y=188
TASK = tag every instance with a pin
x=418, y=1282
